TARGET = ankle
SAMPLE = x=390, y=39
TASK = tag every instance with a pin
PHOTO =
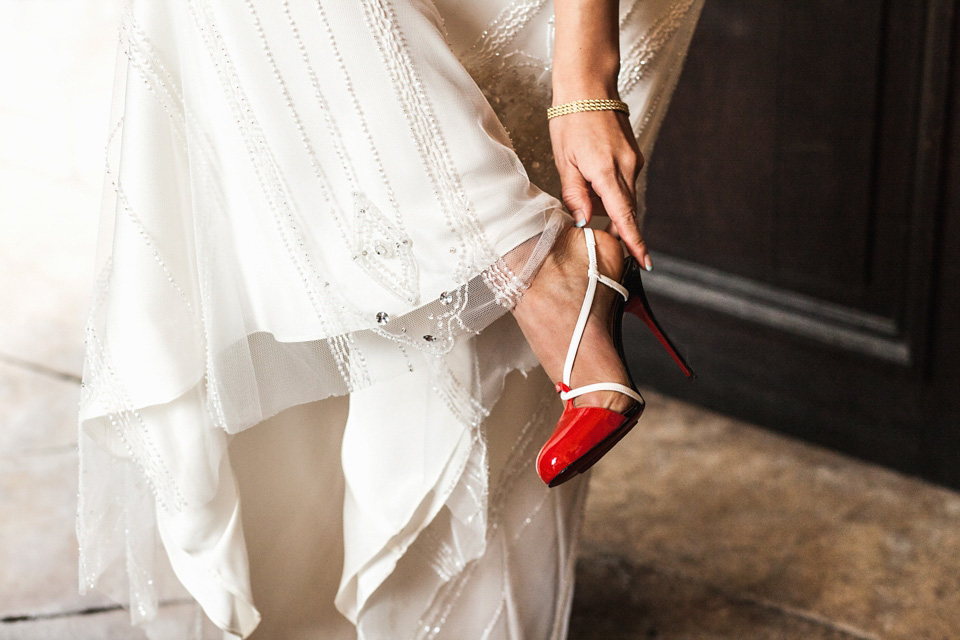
x=567, y=261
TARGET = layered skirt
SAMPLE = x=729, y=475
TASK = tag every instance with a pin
x=305, y=408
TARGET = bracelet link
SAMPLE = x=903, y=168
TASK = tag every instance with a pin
x=587, y=105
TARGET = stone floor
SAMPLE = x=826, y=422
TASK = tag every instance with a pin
x=701, y=526
x=698, y=526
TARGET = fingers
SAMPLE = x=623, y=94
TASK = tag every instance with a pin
x=618, y=193
x=575, y=193
x=598, y=162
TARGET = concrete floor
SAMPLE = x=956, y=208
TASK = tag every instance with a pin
x=698, y=526
x=701, y=526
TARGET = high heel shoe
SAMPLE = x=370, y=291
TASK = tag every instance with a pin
x=584, y=434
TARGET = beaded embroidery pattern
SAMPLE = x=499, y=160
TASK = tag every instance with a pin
x=380, y=245
x=474, y=252
x=516, y=84
x=349, y=359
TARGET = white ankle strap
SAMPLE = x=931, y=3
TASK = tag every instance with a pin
x=600, y=386
x=594, y=276
x=610, y=282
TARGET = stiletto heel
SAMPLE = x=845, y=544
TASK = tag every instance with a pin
x=640, y=307
x=584, y=434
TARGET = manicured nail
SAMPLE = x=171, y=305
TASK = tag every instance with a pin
x=581, y=223
x=648, y=263
x=580, y=218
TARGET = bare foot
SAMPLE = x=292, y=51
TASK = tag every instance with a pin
x=547, y=314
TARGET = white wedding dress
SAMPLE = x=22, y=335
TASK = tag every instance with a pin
x=317, y=214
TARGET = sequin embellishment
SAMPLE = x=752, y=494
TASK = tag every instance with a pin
x=383, y=251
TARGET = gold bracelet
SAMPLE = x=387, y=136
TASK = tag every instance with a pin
x=587, y=105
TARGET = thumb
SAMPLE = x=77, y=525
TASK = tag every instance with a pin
x=575, y=194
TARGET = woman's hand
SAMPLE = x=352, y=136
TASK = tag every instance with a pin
x=598, y=159
x=596, y=152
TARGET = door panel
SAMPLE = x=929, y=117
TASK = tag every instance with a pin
x=794, y=204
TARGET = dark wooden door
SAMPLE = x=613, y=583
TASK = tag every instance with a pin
x=803, y=210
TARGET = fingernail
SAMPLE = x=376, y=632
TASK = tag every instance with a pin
x=581, y=223
x=648, y=263
x=580, y=218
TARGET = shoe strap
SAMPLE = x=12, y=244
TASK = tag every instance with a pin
x=600, y=386
x=593, y=276
x=610, y=282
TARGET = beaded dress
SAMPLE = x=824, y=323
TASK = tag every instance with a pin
x=316, y=216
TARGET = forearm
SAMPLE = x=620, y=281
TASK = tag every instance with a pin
x=586, y=52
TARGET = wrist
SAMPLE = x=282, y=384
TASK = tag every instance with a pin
x=568, y=92
x=580, y=83
x=592, y=104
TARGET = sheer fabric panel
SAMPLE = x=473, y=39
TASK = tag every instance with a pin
x=309, y=199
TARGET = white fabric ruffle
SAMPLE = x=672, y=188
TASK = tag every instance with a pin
x=309, y=199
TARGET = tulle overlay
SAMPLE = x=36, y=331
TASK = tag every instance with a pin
x=308, y=199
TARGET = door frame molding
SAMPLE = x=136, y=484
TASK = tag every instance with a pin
x=902, y=341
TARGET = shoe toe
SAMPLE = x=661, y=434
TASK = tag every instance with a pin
x=578, y=431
